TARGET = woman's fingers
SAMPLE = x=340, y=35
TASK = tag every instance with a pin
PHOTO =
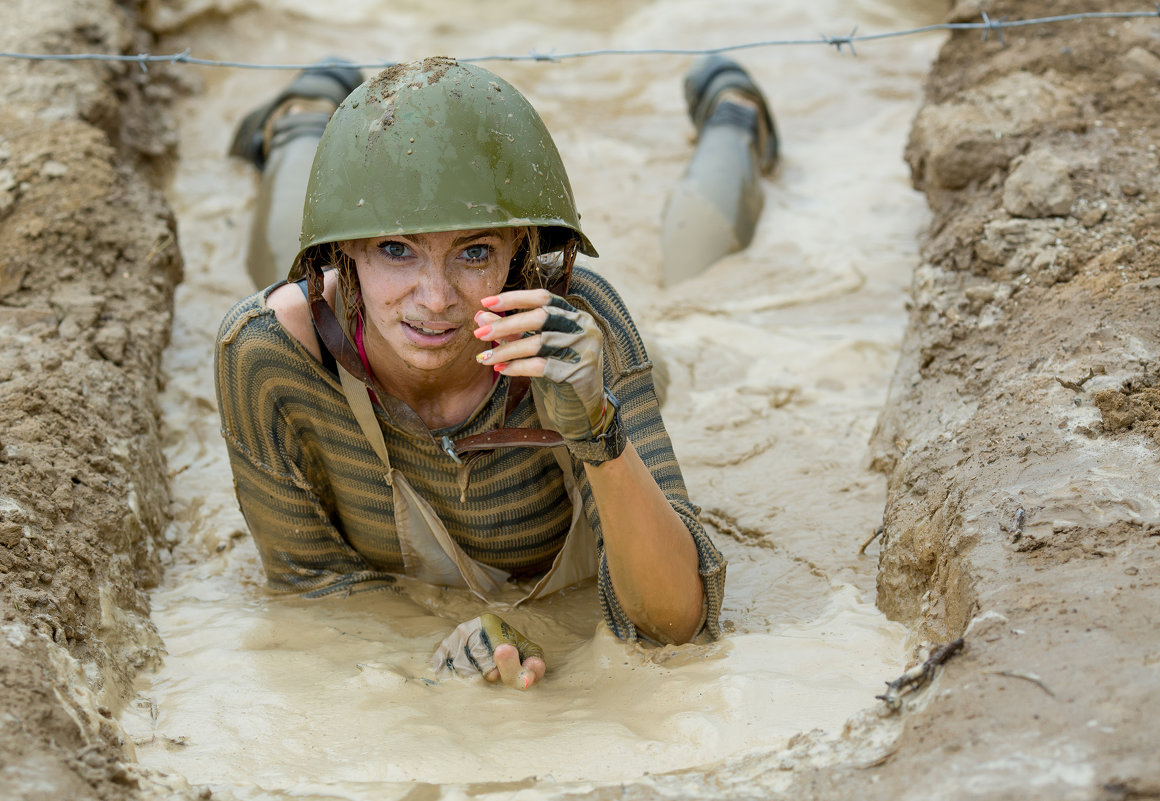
x=514, y=352
x=525, y=349
x=547, y=338
x=512, y=673
x=536, y=666
x=512, y=326
x=532, y=368
x=517, y=299
x=509, y=670
x=484, y=320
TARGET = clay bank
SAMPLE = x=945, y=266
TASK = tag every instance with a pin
x=1011, y=460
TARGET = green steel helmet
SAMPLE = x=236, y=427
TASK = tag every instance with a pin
x=436, y=145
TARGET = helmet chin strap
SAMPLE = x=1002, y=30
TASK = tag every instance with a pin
x=466, y=449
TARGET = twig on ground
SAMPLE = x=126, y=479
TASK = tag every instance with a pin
x=877, y=533
x=1031, y=677
x=880, y=761
x=1076, y=386
x=918, y=675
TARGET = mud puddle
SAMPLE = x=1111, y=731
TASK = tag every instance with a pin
x=780, y=359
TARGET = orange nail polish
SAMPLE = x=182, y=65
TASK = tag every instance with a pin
x=499, y=368
x=482, y=331
x=489, y=301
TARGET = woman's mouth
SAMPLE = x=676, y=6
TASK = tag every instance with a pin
x=428, y=333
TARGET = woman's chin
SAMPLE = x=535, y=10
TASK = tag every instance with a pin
x=437, y=359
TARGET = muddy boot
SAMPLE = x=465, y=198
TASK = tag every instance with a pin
x=298, y=109
x=714, y=209
x=279, y=138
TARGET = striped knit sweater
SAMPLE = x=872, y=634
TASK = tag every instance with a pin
x=311, y=488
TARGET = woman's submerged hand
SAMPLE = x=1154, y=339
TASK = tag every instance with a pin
x=558, y=346
x=490, y=646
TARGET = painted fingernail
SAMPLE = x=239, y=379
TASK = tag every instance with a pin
x=476, y=318
x=482, y=331
x=483, y=357
x=489, y=301
x=499, y=368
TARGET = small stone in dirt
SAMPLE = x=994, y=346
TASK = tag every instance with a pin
x=7, y=192
x=111, y=341
x=1039, y=187
x=1141, y=62
x=1092, y=217
x=121, y=775
x=1128, y=80
x=979, y=295
x=53, y=169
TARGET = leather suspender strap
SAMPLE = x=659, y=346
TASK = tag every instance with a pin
x=509, y=438
x=331, y=333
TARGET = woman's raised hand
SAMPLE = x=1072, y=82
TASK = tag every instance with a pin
x=558, y=346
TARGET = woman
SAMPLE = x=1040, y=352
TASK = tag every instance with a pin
x=440, y=394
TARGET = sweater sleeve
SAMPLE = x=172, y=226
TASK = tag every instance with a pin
x=255, y=368
x=628, y=375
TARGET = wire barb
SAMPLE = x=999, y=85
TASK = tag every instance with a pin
x=993, y=25
x=842, y=41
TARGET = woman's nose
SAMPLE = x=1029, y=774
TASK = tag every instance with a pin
x=434, y=292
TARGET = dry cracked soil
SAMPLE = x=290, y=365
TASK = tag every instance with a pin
x=1020, y=438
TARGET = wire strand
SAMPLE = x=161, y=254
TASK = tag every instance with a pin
x=987, y=26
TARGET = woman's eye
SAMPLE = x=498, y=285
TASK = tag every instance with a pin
x=477, y=253
x=395, y=250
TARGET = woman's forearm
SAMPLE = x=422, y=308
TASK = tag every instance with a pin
x=652, y=559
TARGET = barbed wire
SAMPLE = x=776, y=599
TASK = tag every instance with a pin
x=987, y=25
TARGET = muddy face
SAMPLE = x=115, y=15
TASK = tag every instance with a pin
x=420, y=294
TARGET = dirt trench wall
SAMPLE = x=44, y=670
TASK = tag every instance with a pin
x=88, y=264
x=1020, y=436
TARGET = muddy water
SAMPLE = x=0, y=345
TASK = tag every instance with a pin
x=779, y=357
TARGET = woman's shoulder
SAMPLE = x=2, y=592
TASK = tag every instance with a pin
x=277, y=317
x=253, y=337
x=606, y=304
